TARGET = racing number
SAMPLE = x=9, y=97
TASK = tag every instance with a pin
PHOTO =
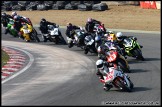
x=110, y=75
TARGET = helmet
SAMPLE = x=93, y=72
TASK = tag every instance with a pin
x=13, y=14
x=119, y=36
x=100, y=64
x=89, y=20
x=111, y=32
x=69, y=24
x=17, y=17
x=97, y=38
x=43, y=20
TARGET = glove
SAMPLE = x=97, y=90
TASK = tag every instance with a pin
x=101, y=80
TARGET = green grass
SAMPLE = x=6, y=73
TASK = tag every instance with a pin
x=5, y=58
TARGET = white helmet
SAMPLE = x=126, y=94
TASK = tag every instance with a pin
x=111, y=32
x=13, y=14
x=99, y=64
x=119, y=35
x=106, y=35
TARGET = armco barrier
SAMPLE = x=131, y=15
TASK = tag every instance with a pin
x=148, y=4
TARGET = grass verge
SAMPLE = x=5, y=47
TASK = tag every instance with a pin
x=5, y=58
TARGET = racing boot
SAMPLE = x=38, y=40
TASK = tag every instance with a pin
x=21, y=36
x=86, y=50
x=107, y=87
x=44, y=38
x=6, y=31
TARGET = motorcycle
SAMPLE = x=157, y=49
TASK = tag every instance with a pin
x=28, y=33
x=133, y=49
x=89, y=45
x=78, y=39
x=30, y=23
x=113, y=56
x=118, y=79
x=11, y=29
x=99, y=30
x=54, y=35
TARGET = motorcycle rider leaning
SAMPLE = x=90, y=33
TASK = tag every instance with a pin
x=90, y=25
x=120, y=39
x=101, y=67
x=25, y=19
x=5, y=19
x=44, y=27
x=70, y=30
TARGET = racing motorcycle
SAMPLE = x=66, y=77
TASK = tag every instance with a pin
x=112, y=55
x=118, y=79
x=11, y=29
x=28, y=33
x=133, y=49
x=54, y=34
x=78, y=39
x=89, y=45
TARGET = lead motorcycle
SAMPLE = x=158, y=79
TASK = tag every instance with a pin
x=133, y=49
x=118, y=79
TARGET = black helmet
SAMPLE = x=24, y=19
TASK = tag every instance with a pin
x=43, y=19
x=69, y=24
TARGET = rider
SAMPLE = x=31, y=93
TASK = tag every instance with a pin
x=18, y=24
x=24, y=26
x=90, y=25
x=5, y=19
x=25, y=19
x=70, y=30
x=103, y=66
x=99, y=41
x=44, y=27
x=120, y=39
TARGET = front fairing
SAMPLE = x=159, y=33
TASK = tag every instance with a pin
x=130, y=45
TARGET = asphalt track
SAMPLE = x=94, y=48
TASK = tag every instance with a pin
x=63, y=76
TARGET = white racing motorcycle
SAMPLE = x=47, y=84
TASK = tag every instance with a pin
x=54, y=35
x=118, y=79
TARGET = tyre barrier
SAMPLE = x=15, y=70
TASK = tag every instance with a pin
x=53, y=5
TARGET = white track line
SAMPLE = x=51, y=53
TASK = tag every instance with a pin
x=31, y=60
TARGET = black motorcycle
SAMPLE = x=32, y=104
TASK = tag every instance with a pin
x=89, y=45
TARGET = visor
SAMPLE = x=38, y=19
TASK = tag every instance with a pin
x=100, y=66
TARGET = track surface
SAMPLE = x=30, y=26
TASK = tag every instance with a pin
x=63, y=76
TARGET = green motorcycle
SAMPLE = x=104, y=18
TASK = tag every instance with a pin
x=133, y=49
x=10, y=27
